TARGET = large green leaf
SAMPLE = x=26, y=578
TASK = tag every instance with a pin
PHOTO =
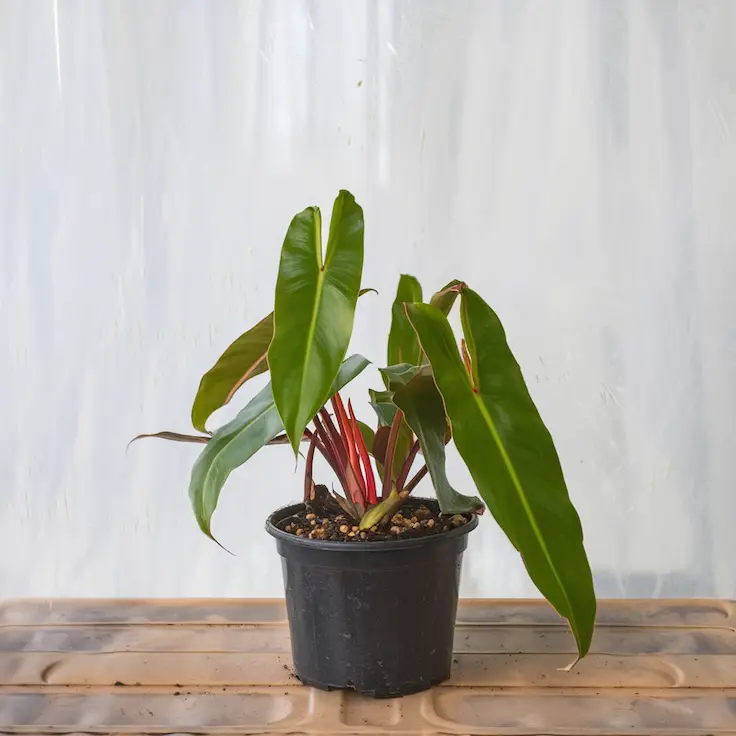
x=314, y=310
x=237, y=441
x=403, y=346
x=510, y=455
x=425, y=414
x=245, y=358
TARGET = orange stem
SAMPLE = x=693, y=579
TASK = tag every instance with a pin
x=348, y=439
x=370, y=479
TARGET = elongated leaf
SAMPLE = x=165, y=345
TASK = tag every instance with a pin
x=445, y=298
x=237, y=441
x=243, y=359
x=173, y=437
x=350, y=368
x=198, y=439
x=314, y=310
x=231, y=446
x=510, y=455
x=403, y=346
x=425, y=414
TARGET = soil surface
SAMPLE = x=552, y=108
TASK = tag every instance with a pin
x=408, y=522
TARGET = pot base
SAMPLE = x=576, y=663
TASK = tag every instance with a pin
x=398, y=691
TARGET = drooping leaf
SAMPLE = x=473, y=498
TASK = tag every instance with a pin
x=445, y=298
x=237, y=441
x=511, y=455
x=425, y=414
x=314, y=310
x=403, y=346
x=231, y=446
x=198, y=439
x=173, y=437
x=242, y=360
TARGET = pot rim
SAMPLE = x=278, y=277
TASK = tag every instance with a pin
x=379, y=545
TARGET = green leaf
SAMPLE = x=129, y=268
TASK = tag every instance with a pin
x=382, y=403
x=445, y=298
x=314, y=310
x=403, y=346
x=231, y=446
x=350, y=368
x=425, y=414
x=511, y=456
x=399, y=375
x=237, y=441
x=245, y=358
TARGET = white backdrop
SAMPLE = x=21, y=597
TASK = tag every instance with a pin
x=574, y=161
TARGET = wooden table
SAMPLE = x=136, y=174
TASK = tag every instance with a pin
x=223, y=666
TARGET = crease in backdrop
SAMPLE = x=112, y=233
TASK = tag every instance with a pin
x=574, y=161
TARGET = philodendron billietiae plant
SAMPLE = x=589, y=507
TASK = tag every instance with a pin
x=436, y=390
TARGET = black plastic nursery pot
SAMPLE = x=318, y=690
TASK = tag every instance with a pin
x=377, y=617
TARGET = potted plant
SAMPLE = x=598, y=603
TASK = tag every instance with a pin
x=371, y=572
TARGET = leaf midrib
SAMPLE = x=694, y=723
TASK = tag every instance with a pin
x=245, y=377
x=522, y=495
x=321, y=268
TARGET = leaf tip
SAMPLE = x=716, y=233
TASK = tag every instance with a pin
x=207, y=530
x=569, y=667
x=221, y=546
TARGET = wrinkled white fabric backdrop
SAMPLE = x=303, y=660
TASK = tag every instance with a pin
x=574, y=161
